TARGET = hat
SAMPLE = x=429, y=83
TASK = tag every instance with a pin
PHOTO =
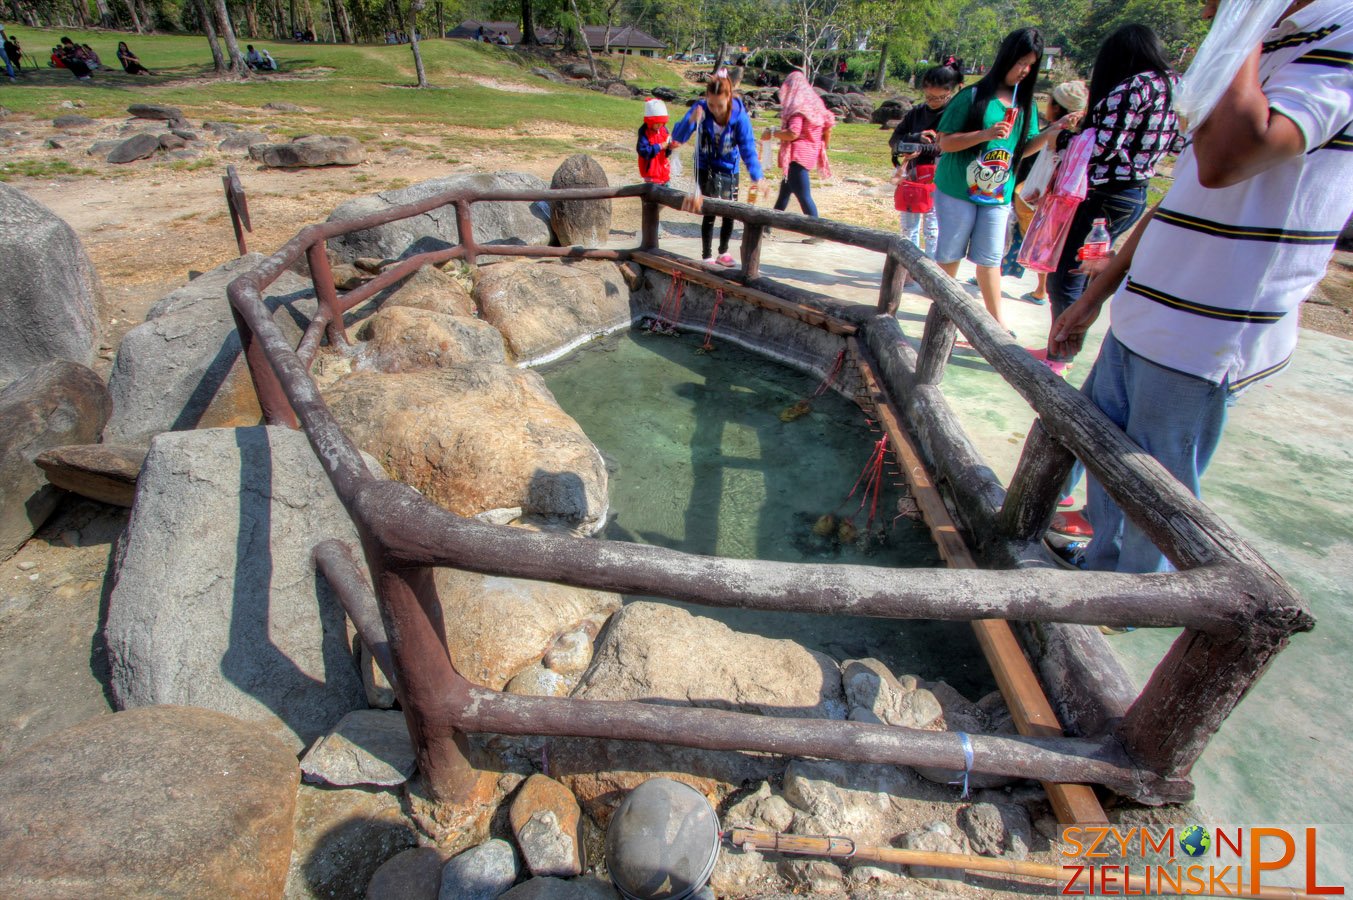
x=656, y=109
x=1071, y=95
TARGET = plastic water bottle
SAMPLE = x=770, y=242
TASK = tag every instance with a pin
x=1097, y=242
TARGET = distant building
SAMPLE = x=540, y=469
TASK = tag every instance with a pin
x=624, y=39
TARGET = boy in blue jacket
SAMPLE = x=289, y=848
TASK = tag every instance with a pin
x=725, y=134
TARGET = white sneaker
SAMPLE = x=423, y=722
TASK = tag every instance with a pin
x=710, y=261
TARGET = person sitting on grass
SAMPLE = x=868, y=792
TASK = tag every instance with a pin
x=130, y=64
x=260, y=60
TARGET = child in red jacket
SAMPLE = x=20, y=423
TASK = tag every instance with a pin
x=654, y=144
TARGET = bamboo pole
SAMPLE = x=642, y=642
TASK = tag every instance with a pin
x=846, y=848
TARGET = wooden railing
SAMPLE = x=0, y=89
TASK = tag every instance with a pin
x=1235, y=611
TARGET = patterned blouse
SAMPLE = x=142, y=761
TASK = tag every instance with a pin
x=1135, y=126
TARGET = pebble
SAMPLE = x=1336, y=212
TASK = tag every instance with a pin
x=27, y=565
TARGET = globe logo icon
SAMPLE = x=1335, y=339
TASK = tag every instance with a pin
x=1194, y=840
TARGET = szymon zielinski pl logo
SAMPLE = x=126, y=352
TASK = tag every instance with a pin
x=1191, y=860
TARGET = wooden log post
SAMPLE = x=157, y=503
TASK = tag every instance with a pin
x=648, y=238
x=322, y=274
x=465, y=231
x=1043, y=468
x=937, y=343
x=424, y=676
x=751, y=251
x=1196, y=686
x=271, y=398
x=890, y=286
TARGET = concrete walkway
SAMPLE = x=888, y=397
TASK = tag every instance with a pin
x=1276, y=479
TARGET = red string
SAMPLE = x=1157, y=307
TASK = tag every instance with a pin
x=669, y=313
x=709, y=329
x=831, y=375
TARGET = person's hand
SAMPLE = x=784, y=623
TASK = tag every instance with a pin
x=1067, y=336
x=692, y=203
x=906, y=157
x=1093, y=267
x=930, y=136
x=1069, y=121
x=767, y=134
x=998, y=132
x=697, y=114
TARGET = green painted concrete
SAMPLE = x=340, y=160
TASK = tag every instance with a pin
x=1283, y=478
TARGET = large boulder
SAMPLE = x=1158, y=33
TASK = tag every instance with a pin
x=342, y=837
x=56, y=404
x=183, y=368
x=167, y=801
x=663, y=654
x=216, y=601
x=501, y=626
x=474, y=437
x=583, y=222
x=543, y=308
x=310, y=151
x=501, y=221
x=49, y=295
x=403, y=339
x=435, y=291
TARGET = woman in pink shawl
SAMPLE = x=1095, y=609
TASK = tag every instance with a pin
x=805, y=130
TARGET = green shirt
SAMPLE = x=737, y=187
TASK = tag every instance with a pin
x=983, y=173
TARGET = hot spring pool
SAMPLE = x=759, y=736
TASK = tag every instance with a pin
x=700, y=461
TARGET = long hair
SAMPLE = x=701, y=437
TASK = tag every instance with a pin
x=1130, y=50
x=1016, y=46
x=947, y=77
x=720, y=85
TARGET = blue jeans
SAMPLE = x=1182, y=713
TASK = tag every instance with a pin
x=1122, y=206
x=1176, y=418
x=969, y=229
x=922, y=229
x=796, y=183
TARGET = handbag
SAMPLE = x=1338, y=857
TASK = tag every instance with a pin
x=916, y=195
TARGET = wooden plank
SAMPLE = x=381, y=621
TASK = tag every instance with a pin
x=692, y=272
x=1075, y=804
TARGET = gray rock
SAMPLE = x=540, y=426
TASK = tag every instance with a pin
x=138, y=146
x=171, y=141
x=548, y=74
x=547, y=849
x=55, y=404
x=581, y=222
x=368, y=746
x=867, y=802
x=53, y=144
x=49, y=295
x=588, y=888
x=997, y=829
x=542, y=308
x=813, y=876
x=619, y=89
x=342, y=836
x=153, y=111
x=279, y=106
x=183, y=368
x=537, y=681
x=875, y=695
x=576, y=70
x=665, y=94
x=73, y=120
x=310, y=151
x=485, y=872
x=221, y=127
x=103, y=472
x=414, y=874
x=762, y=809
x=185, y=134
x=163, y=802
x=235, y=619
x=102, y=148
x=496, y=222
x=237, y=141
x=403, y=339
x=935, y=838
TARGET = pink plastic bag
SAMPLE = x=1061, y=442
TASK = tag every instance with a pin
x=1042, y=247
x=1072, y=178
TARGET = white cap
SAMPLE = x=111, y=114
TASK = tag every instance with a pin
x=655, y=109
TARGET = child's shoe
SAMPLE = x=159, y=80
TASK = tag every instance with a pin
x=726, y=260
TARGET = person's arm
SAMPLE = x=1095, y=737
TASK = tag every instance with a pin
x=746, y=135
x=964, y=140
x=786, y=132
x=1067, y=335
x=1041, y=139
x=682, y=131
x=1243, y=136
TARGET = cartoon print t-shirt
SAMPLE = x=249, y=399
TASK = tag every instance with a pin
x=983, y=174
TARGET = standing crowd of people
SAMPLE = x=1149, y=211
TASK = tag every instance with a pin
x=1202, y=295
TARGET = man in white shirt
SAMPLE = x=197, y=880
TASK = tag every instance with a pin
x=1214, y=276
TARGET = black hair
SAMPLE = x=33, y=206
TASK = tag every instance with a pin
x=946, y=77
x=1016, y=46
x=1128, y=51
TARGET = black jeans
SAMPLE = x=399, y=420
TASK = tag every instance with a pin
x=796, y=183
x=1122, y=206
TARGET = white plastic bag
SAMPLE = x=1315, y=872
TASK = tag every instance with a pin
x=1236, y=31
x=674, y=163
x=1040, y=176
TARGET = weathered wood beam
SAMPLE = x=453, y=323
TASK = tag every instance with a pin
x=1036, y=486
x=937, y=343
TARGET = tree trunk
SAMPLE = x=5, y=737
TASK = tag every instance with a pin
x=147, y=16
x=414, y=9
x=881, y=77
x=238, y=67
x=528, y=24
x=344, y=23
x=294, y=27
x=441, y=23
x=136, y=20
x=106, y=19
x=251, y=18
x=81, y=13
x=218, y=59
x=582, y=35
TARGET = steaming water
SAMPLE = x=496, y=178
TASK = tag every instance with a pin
x=700, y=462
